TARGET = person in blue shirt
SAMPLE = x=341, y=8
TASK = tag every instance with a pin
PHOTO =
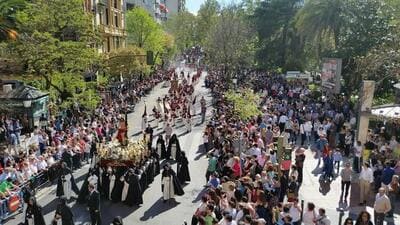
x=387, y=175
x=214, y=181
x=320, y=144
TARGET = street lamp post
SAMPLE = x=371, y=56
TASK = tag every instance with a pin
x=27, y=104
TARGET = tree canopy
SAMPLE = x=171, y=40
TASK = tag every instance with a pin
x=56, y=47
x=145, y=32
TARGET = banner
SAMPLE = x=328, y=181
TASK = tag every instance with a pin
x=331, y=74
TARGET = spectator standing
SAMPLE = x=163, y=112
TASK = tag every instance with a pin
x=394, y=191
x=387, y=175
x=322, y=218
x=346, y=175
x=212, y=166
x=337, y=158
x=310, y=216
x=366, y=178
x=381, y=206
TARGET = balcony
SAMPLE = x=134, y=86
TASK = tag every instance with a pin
x=110, y=30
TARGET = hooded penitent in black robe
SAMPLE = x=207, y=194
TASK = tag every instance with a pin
x=149, y=171
x=67, y=158
x=178, y=190
x=34, y=212
x=174, y=144
x=108, y=182
x=84, y=192
x=60, y=189
x=134, y=196
x=118, y=185
x=183, y=170
x=65, y=213
x=160, y=148
x=143, y=178
x=156, y=161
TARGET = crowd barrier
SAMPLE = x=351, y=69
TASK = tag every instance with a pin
x=15, y=202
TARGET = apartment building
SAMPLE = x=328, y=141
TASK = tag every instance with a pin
x=160, y=10
x=109, y=19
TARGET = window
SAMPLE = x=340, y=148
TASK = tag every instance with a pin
x=108, y=44
x=117, y=43
x=116, y=19
x=107, y=19
x=116, y=4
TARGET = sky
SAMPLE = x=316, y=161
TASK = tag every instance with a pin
x=194, y=5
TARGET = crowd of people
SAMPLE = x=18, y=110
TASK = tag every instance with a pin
x=70, y=138
x=255, y=166
x=250, y=182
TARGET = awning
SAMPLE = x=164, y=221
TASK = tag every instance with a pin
x=389, y=111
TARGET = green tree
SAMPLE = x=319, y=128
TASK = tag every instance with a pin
x=126, y=62
x=245, y=103
x=145, y=32
x=231, y=41
x=55, y=45
x=8, y=10
x=142, y=28
x=183, y=26
x=274, y=23
x=206, y=19
x=320, y=21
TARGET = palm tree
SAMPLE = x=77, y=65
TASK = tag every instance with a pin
x=321, y=20
x=8, y=9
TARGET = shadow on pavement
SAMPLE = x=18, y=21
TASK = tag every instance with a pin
x=200, y=195
x=201, y=152
x=324, y=187
x=159, y=207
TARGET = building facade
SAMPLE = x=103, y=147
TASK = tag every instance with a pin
x=160, y=10
x=109, y=19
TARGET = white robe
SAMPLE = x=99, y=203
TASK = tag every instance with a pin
x=67, y=186
x=173, y=151
x=124, y=190
x=112, y=183
x=159, y=149
x=93, y=180
x=168, y=188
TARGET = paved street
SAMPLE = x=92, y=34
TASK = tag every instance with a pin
x=153, y=211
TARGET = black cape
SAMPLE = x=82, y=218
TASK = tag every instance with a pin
x=134, y=196
x=178, y=150
x=34, y=211
x=105, y=186
x=163, y=151
x=116, y=193
x=60, y=188
x=156, y=162
x=178, y=190
x=66, y=214
x=143, y=178
x=183, y=170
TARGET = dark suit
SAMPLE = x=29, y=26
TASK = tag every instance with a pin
x=94, y=208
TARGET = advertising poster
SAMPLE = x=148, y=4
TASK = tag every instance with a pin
x=331, y=74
